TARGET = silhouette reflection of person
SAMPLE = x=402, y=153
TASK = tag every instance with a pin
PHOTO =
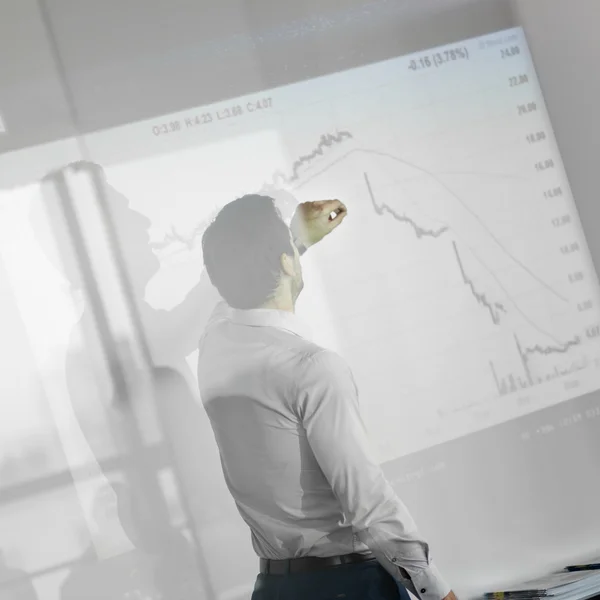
x=171, y=335
x=128, y=559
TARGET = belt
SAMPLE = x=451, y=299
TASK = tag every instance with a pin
x=310, y=563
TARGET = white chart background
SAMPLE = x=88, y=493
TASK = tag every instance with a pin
x=460, y=288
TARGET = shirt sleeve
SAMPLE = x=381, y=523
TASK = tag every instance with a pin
x=329, y=410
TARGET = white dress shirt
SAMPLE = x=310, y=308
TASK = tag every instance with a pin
x=294, y=449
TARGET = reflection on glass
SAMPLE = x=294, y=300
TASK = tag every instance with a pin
x=132, y=555
x=70, y=466
x=14, y=582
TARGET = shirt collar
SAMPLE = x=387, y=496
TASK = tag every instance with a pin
x=266, y=317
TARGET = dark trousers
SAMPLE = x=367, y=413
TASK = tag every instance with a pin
x=361, y=581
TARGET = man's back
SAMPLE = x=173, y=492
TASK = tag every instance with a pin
x=250, y=365
x=293, y=445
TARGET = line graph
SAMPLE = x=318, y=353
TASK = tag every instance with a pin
x=455, y=196
x=326, y=141
x=494, y=308
x=512, y=382
x=476, y=216
x=547, y=350
x=383, y=208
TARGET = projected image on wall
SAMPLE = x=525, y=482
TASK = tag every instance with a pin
x=460, y=289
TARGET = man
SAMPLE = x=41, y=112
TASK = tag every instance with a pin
x=324, y=521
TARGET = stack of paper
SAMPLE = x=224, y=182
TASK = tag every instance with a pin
x=578, y=585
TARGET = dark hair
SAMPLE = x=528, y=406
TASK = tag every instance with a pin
x=242, y=250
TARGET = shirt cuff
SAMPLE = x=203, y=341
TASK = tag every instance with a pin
x=429, y=583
